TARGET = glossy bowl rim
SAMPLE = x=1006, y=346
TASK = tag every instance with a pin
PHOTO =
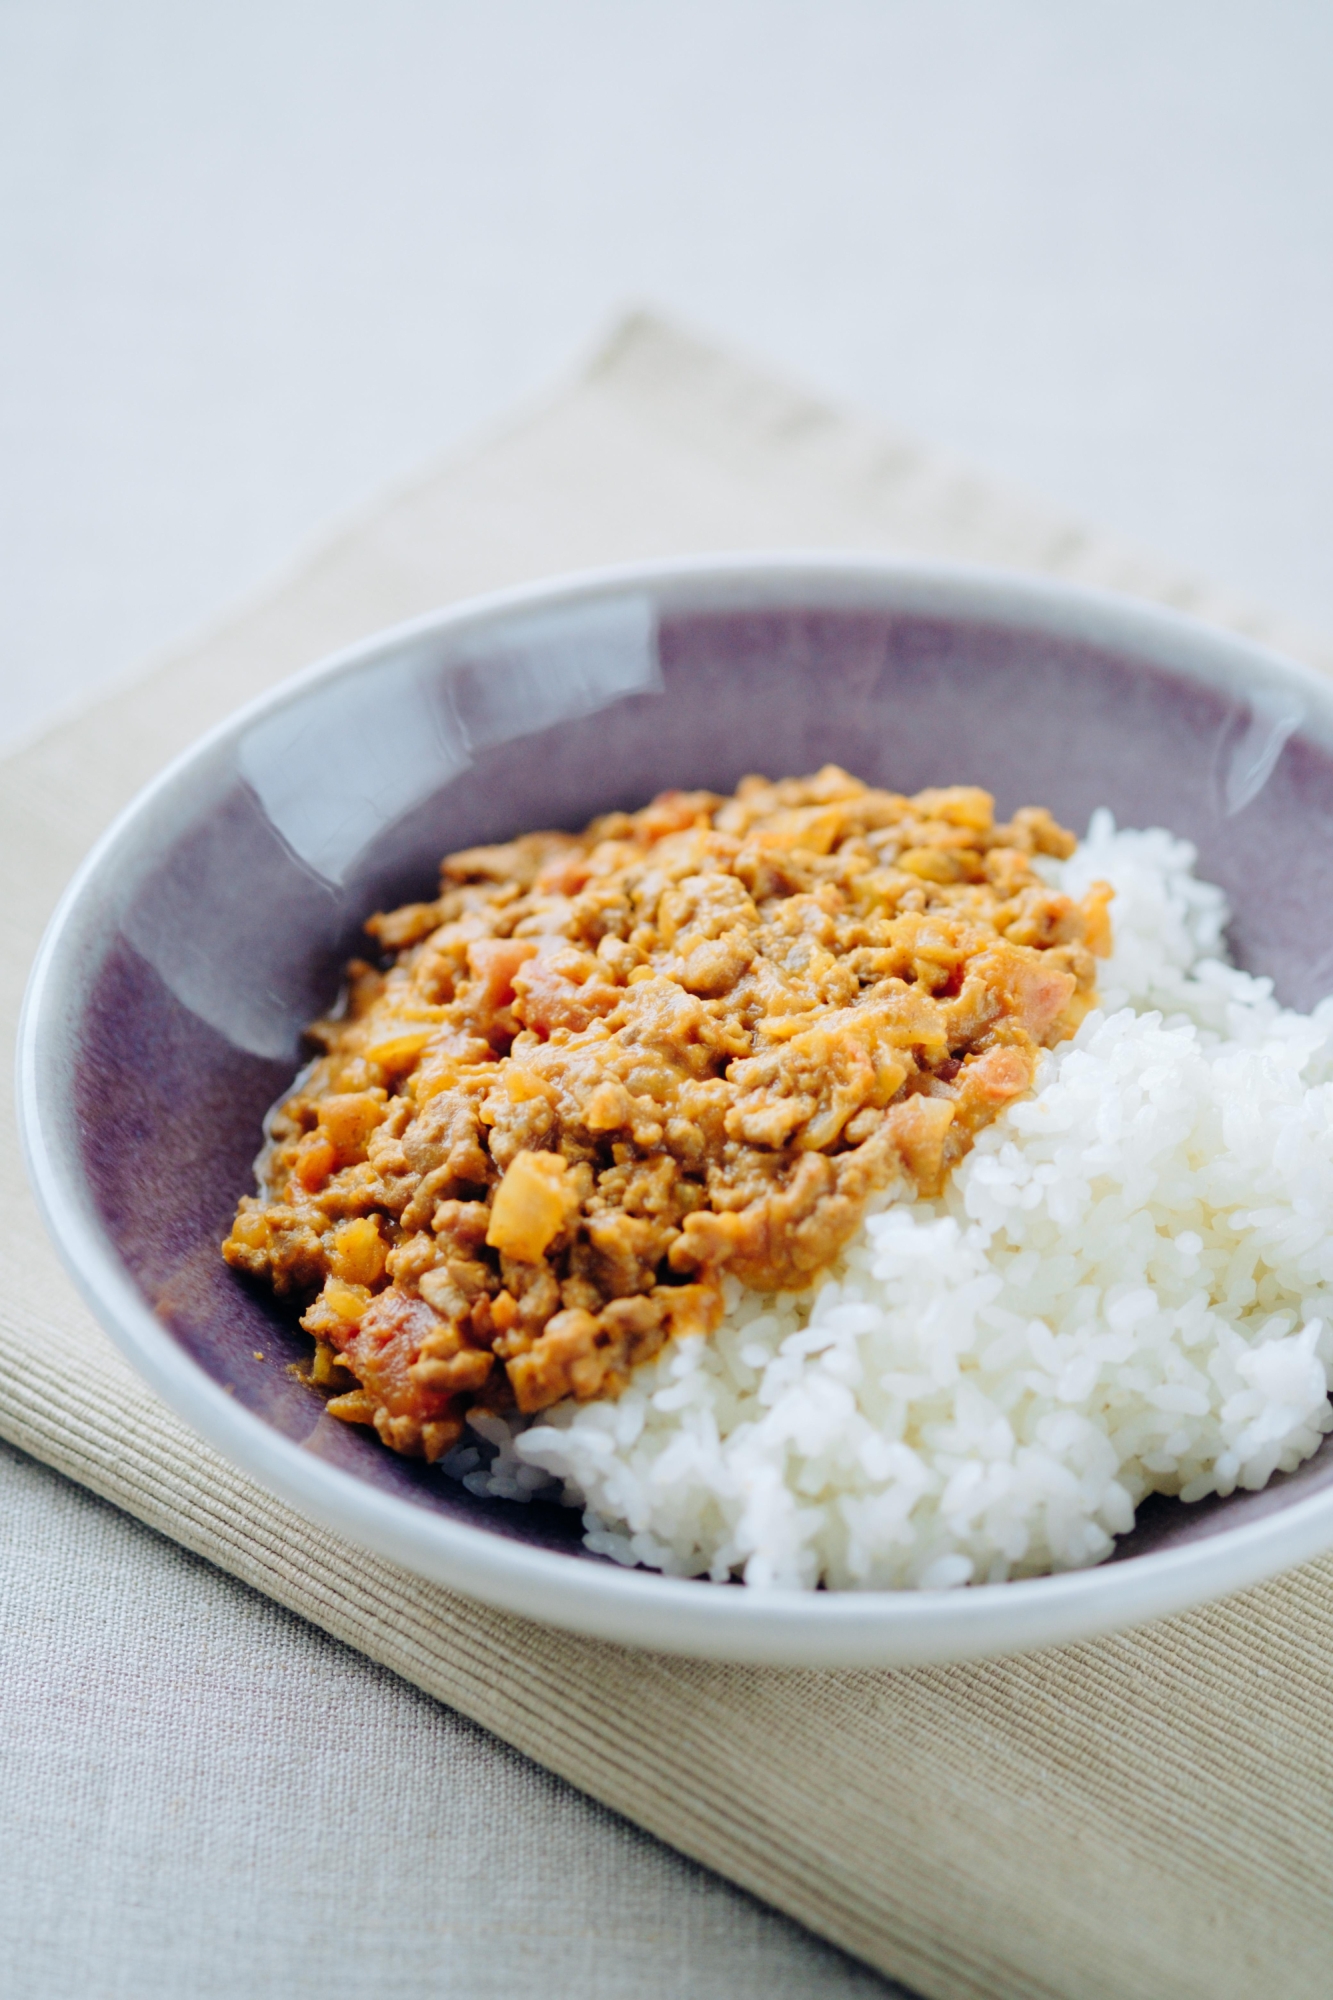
x=635, y=1607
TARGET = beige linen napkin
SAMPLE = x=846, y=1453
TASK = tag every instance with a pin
x=1149, y=1815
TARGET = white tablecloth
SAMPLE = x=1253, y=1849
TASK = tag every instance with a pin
x=203, y=1798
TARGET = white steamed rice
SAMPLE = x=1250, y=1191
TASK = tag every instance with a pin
x=1127, y=1288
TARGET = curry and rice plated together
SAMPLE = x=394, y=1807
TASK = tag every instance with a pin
x=814, y=1187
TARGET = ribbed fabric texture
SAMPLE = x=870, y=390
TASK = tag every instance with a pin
x=1149, y=1815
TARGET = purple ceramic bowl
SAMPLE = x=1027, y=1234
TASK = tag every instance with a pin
x=165, y=1009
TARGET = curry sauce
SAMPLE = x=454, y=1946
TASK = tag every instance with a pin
x=601, y=1070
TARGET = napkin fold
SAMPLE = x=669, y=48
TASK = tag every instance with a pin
x=1149, y=1814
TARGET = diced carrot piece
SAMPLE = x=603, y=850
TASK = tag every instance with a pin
x=316, y=1158
x=532, y=1205
x=359, y=1252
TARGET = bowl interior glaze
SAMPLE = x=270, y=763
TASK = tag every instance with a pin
x=240, y=890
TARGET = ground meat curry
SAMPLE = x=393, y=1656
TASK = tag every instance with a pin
x=602, y=1069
